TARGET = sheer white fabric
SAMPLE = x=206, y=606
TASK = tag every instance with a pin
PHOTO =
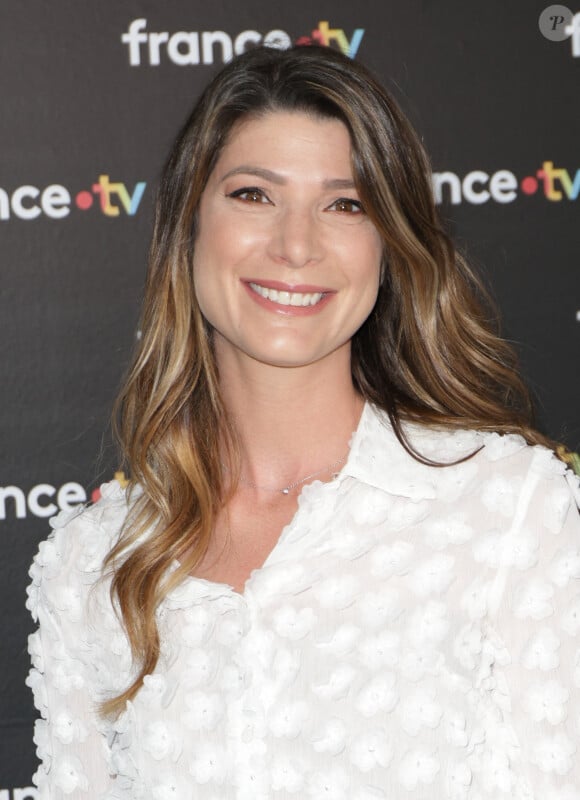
x=415, y=634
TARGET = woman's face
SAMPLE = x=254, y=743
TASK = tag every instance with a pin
x=286, y=263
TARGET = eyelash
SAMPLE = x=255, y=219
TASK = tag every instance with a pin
x=238, y=194
x=350, y=201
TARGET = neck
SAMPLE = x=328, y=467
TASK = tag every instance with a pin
x=290, y=422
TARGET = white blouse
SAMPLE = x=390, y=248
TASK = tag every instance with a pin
x=414, y=635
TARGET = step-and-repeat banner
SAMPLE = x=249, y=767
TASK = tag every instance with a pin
x=92, y=95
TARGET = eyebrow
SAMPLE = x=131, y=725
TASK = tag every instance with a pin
x=274, y=177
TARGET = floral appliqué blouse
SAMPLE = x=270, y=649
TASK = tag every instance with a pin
x=414, y=635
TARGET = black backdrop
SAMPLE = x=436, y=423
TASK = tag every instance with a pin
x=488, y=92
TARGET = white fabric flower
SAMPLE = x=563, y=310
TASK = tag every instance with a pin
x=497, y=772
x=416, y=664
x=337, y=592
x=204, y=710
x=395, y=559
x=433, y=576
x=451, y=530
x=554, y=754
x=339, y=640
x=201, y=666
x=199, y=626
x=534, y=600
x=287, y=775
x=420, y=709
x=371, y=749
x=288, y=719
x=379, y=695
x=230, y=629
x=565, y=565
x=428, y=625
x=68, y=729
x=381, y=650
x=499, y=494
x=570, y=619
x=330, y=737
x=547, y=701
x=379, y=608
x=542, y=651
x=292, y=623
x=69, y=775
x=208, y=763
x=329, y=783
x=338, y=683
x=418, y=766
x=159, y=741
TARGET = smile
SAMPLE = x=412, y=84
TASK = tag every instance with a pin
x=283, y=298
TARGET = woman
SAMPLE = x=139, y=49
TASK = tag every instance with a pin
x=346, y=566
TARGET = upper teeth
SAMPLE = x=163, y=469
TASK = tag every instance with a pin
x=288, y=298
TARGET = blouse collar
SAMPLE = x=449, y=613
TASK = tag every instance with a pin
x=378, y=459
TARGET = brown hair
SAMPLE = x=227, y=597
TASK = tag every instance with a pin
x=428, y=352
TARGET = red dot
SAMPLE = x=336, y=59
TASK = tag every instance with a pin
x=529, y=185
x=84, y=200
x=95, y=495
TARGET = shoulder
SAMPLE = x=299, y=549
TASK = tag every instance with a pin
x=70, y=559
x=449, y=463
x=511, y=477
x=493, y=453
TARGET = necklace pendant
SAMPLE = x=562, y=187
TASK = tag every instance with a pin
x=286, y=491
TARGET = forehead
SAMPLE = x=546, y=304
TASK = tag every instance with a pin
x=288, y=137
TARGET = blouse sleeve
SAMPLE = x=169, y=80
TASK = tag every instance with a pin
x=535, y=675
x=70, y=736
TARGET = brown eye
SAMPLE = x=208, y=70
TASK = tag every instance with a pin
x=249, y=195
x=346, y=205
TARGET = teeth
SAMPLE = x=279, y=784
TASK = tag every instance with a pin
x=288, y=298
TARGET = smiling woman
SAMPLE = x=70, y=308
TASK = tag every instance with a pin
x=346, y=564
x=291, y=247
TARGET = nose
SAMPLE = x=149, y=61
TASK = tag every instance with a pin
x=295, y=240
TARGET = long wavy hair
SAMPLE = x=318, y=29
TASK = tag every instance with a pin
x=429, y=352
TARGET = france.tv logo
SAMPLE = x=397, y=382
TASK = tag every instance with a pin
x=192, y=48
x=503, y=186
x=111, y=198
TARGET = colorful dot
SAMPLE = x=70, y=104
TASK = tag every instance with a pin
x=84, y=200
x=95, y=495
x=529, y=185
